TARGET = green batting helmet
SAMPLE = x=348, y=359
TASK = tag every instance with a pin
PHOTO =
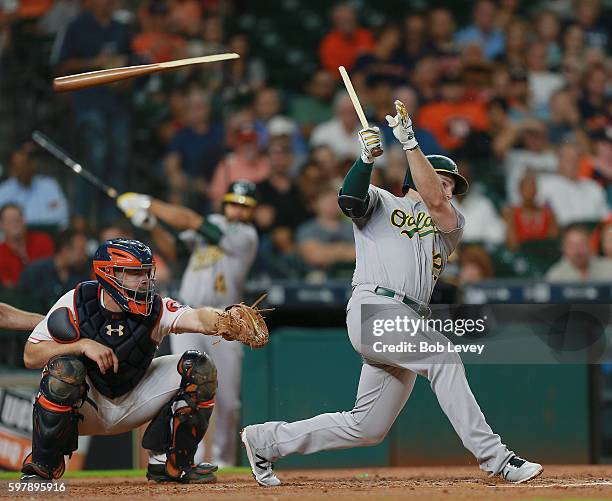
x=241, y=192
x=442, y=165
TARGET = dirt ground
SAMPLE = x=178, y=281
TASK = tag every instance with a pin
x=431, y=483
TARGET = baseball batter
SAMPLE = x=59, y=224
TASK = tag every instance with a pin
x=223, y=249
x=97, y=346
x=402, y=246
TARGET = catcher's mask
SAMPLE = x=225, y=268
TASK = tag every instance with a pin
x=114, y=262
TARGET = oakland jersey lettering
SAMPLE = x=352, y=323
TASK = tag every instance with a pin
x=423, y=224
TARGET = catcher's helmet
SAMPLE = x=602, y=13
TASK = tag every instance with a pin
x=110, y=263
x=241, y=192
x=442, y=165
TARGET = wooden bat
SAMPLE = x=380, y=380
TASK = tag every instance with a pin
x=101, y=77
x=48, y=145
x=376, y=152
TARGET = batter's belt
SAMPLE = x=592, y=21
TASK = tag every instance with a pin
x=419, y=308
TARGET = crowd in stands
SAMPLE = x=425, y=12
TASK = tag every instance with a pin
x=519, y=95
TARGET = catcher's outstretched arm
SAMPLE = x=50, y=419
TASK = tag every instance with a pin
x=203, y=320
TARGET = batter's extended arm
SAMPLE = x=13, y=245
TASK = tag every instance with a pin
x=14, y=318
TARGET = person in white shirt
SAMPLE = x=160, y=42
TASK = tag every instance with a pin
x=41, y=197
x=339, y=132
x=571, y=198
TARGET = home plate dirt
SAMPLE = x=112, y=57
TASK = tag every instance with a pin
x=431, y=483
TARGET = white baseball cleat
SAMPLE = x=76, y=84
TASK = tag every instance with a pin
x=261, y=468
x=519, y=470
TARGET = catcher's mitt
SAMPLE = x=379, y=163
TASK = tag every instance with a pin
x=243, y=323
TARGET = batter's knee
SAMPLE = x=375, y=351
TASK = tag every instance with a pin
x=199, y=374
x=369, y=432
x=63, y=380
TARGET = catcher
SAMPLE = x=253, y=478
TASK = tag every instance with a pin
x=97, y=346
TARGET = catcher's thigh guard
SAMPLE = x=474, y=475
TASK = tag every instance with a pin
x=181, y=424
x=55, y=416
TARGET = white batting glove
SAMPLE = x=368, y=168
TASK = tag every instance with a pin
x=144, y=220
x=131, y=202
x=369, y=139
x=402, y=127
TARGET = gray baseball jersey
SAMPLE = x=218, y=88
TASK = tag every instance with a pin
x=399, y=247
x=215, y=274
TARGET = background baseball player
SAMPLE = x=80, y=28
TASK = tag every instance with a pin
x=223, y=249
x=399, y=259
x=97, y=345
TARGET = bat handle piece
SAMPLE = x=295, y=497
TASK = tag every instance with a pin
x=376, y=152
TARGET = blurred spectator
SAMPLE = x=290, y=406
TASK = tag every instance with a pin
x=529, y=220
x=571, y=69
x=156, y=43
x=442, y=42
x=385, y=60
x=244, y=76
x=525, y=146
x=20, y=246
x=186, y=17
x=415, y=37
x=92, y=41
x=573, y=41
x=210, y=41
x=327, y=240
x=345, y=42
x=177, y=112
x=548, y=30
x=427, y=141
x=517, y=39
x=268, y=106
x=543, y=83
x=596, y=32
x=519, y=95
x=315, y=104
x=310, y=179
x=327, y=164
x=599, y=166
x=595, y=103
x=578, y=263
x=40, y=197
x=507, y=12
x=475, y=265
x=572, y=199
x=280, y=203
x=601, y=239
x=425, y=77
x=564, y=122
x=244, y=162
x=452, y=118
x=483, y=30
x=339, y=132
x=395, y=170
x=46, y=280
x=195, y=150
x=482, y=222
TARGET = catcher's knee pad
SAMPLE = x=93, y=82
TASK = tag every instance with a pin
x=55, y=416
x=181, y=424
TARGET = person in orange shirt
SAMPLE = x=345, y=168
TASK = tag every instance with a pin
x=245, y=162
x=346, y=41
x=452, y=118
x=155, y=43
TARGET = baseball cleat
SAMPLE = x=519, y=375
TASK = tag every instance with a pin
x=202, y=473
x=261, y=468
x=519, y=470
x=31, y=478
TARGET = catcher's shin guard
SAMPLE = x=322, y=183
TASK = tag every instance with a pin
x=55, y=417
x=182, y=422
